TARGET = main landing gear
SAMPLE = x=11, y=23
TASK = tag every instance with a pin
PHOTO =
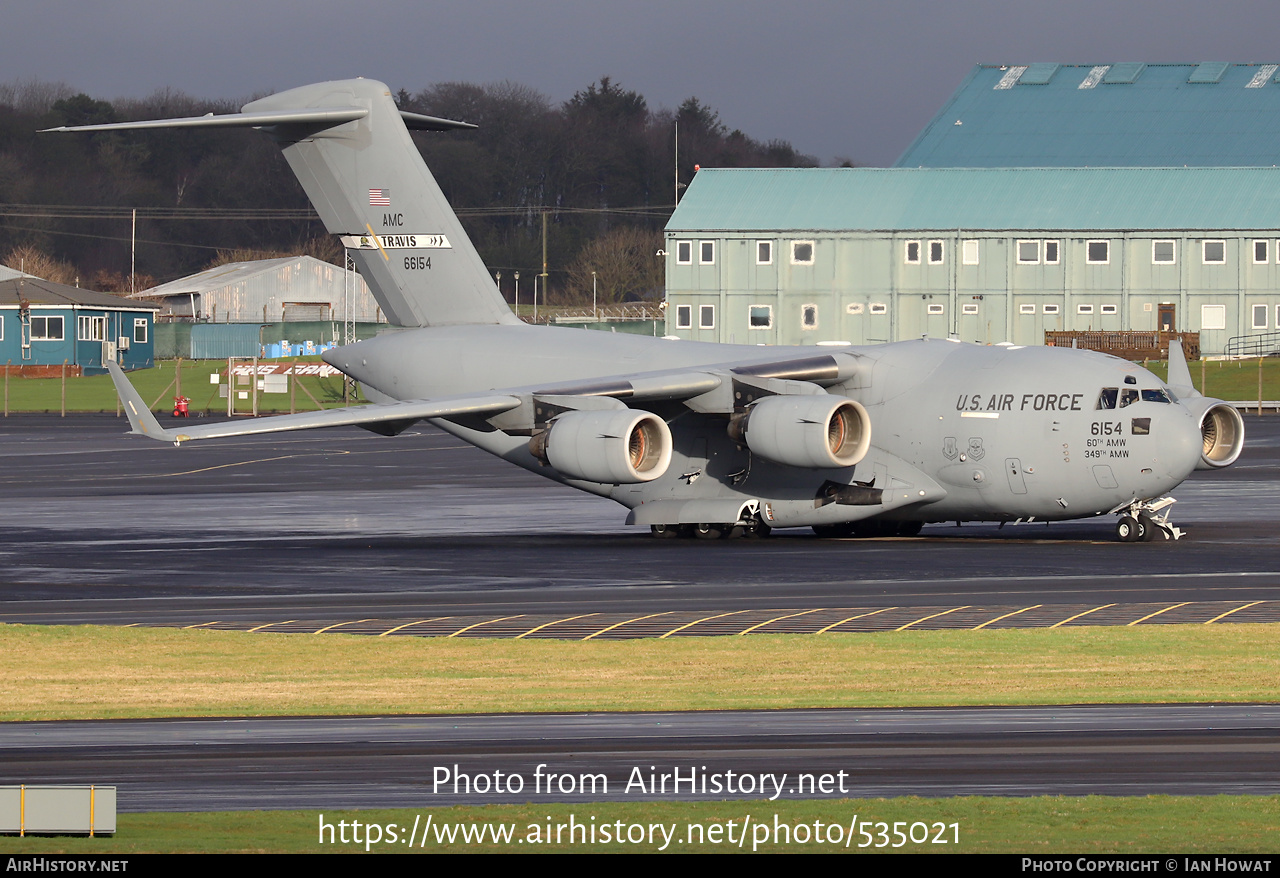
x=1147, y=521
x=751, y=530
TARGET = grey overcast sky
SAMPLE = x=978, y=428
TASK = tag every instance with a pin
x=838, y=79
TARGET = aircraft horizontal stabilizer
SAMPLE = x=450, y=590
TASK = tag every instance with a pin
x=322, y=118
x=144, y=422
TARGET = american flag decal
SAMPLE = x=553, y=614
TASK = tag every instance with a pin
x=379, y=197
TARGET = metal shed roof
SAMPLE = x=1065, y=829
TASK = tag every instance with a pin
x=906, y=199
x=44, y=292
x=224, y=275
x=1212, y=114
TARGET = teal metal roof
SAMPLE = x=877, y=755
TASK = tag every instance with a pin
x=906, y=199
x=1212, y=114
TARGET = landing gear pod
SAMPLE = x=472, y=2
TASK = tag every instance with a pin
x=617, y=446
x=1222, y=430
x=816, y=432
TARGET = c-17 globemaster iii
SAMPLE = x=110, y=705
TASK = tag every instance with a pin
x=709, y=439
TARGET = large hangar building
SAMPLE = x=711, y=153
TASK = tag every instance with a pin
x=1041, y=198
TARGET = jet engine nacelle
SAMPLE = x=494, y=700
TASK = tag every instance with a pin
x=817, y=431
x=616, y=446
x=1221, y=429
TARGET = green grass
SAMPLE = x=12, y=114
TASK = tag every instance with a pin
x=85, y=672
x=95, y=393
x=1039, y=825
x=1230, y=379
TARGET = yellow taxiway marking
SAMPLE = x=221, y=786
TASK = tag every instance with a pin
x=1078, y=615
x=189, y=627
x=1005, y=616
x=1236, y=610
x=778, y=619
x=339, y=625
x=485, y=622
x=411, y=624
x=927, y=618
x=628, y=622
x=269, y=624
x=851, y=618
x=556, y=622
x=699, y=622
x=1156, y=613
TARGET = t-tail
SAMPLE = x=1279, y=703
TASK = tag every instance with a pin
x=349, y=146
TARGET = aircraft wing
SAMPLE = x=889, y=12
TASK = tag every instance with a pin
x=144, y=422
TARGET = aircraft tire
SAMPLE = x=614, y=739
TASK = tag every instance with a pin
x=758, y=530
x=1151, y=532
x=708, y=531
x=1128, y=529
x=665, y=531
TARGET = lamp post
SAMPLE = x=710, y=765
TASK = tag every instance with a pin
x=595, y=313
x=517, y=295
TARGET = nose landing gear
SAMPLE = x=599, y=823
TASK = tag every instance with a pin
x=1147, y=521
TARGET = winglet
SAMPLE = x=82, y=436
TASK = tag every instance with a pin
x=1179, y=375
x=140, y=418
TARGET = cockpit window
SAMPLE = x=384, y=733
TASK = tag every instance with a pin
x=1107, y=399
x=1155, y=396
x=1128, y=396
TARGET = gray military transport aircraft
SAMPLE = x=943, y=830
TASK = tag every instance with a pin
x=700, y=439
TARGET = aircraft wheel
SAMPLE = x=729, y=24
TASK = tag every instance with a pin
x=734, y=532
x=665, y=531
x=1128, y=529
x=1151, y=532
x=910, y=528
x=708, y=531
x=757, y=530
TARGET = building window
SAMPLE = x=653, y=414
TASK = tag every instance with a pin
x=853, y=308
x=1051, y=309
x=707, y=317
x=764, y=253
x=1028, y=252
x=1213, y=316
x=684, y=316
x=707, y=253
x=1050, y=252
x=1110, y=309
x=809, y=316
x=1098, y=252
x=1026, y=309
x=140, y=330
x=1260, y=256
x=879, y=308
x=46, y=329
x=802, y=253
x=935, y=252
x=1215, y=252
x=1162, y=253
x=1084, y=309
x=91, y=328
x=970, y=308
x=913, y=253
x=684, y=252
x=936, y=309
x=761, y=316
x=1259, y=316
x=970, y=253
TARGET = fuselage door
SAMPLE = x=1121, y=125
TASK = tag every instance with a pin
x=1013, y=469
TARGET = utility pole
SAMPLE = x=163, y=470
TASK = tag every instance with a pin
x=544, y=263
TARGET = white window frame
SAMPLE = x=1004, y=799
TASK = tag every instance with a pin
x=942, y=252
x=768, y=324
x=1084, y=308
x=684, y=317
x=906, y=252
x=766, y=248
x=702, y=252
x=1260, y=309
x=684, y=253
x=1204, y=252
x=1110, y=309
x=62, y=327
x=1088, y=257
x=1266, y=251
x=1277, y=323
x=851, y=308
x=1051, y=308
x=1057, y=256
x=935, y=308
x=804, y=309
x=971, y=308
x=879, y=308
x=813, y=253
x=1173, y=252
x=2, y=323
x=1026, y=308
x=1033, y=261
x=91, y=327
x=1213, y=317
x=970, y=251
x=139, y=323
x=703, y=322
